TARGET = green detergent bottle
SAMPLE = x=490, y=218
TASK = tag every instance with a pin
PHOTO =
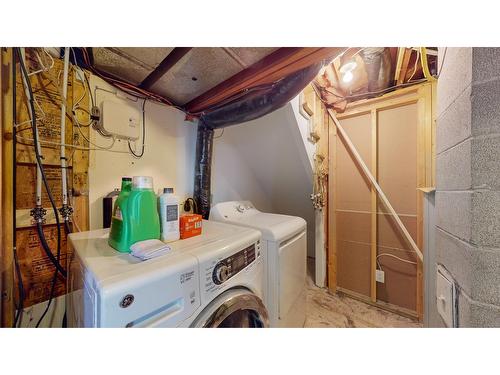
x=135, y=215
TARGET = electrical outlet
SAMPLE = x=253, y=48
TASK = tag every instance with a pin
x=380, y=276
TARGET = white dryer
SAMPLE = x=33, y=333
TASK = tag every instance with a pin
x=211, y=280
x=284, y=244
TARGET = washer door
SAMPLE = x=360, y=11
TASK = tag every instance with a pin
x=235, y=308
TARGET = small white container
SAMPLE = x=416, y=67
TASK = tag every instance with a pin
x=169, y=215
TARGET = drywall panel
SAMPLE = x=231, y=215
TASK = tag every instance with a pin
x=233, y=177
x=169, y=153
x=265, y=161
x=397, y=157
x=353, y=188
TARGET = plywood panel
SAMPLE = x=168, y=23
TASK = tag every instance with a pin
x=36, y=269
x=26, y=185
x=354, y=266
x=400, y=285
x=397, y=157
x=353, y=226
x=389, y=234
x=353, y=189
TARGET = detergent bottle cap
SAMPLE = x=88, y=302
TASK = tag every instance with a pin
x=142, y=182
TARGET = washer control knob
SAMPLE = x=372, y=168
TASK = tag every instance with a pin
x=222, y=273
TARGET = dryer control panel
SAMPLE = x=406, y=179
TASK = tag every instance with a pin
x=230, y=266
x=232, y=210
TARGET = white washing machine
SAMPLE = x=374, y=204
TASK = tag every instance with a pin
x=284, y=245
x=211, y=280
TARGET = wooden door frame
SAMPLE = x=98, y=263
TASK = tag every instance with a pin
x=424, y=96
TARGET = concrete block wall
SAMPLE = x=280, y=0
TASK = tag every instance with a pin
x=468, y=180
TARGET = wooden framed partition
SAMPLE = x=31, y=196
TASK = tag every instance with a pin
x=394, y=135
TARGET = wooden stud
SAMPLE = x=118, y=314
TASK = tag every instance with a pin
x=424, y=95
x=7, y=201
x=332, y=205
x=399, y=63
x=373, y=242
x=80, y=164
x=404, y=66
x=380, y=304
x=423, y=167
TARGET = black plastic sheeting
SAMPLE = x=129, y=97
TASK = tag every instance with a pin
x=255, y=103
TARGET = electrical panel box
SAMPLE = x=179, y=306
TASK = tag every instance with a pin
x=121, y=121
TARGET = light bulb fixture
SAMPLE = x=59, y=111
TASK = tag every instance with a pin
x=347, y=77
x=346, y=71
x=348, y=67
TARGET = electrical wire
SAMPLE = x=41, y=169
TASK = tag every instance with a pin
x=76, y=105
x=393, y=256
x=20, y=287
x=44, y=68
x=143, y=133
x=27, y=82
x=76, y=147
x=361, y=95
x=221, y=134
x=125, y=86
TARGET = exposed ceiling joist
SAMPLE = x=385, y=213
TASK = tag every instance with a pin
x=167, y=63
x=275, y=66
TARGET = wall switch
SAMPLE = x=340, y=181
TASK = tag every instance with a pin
x=380, y=276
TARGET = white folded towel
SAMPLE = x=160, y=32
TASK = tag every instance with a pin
x=149, y=249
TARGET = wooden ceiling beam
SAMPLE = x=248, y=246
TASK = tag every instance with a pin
x=167, y=63
x=274, y=66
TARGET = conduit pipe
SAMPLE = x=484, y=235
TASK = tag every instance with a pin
x=65, y=210
x=372, y=179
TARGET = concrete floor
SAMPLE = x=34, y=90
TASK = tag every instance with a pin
x=339, y=311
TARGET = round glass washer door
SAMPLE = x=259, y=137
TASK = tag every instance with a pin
x=235, y=308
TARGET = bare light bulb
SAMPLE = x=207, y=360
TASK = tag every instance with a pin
x=348, y=76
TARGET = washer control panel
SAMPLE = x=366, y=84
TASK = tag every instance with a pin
x=227, y=268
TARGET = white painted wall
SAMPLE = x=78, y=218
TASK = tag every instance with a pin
x=169, y=155
x=266, y=161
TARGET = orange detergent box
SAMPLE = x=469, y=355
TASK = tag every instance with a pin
x=190, y=225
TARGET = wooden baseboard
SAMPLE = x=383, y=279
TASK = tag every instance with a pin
x=380, y=304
